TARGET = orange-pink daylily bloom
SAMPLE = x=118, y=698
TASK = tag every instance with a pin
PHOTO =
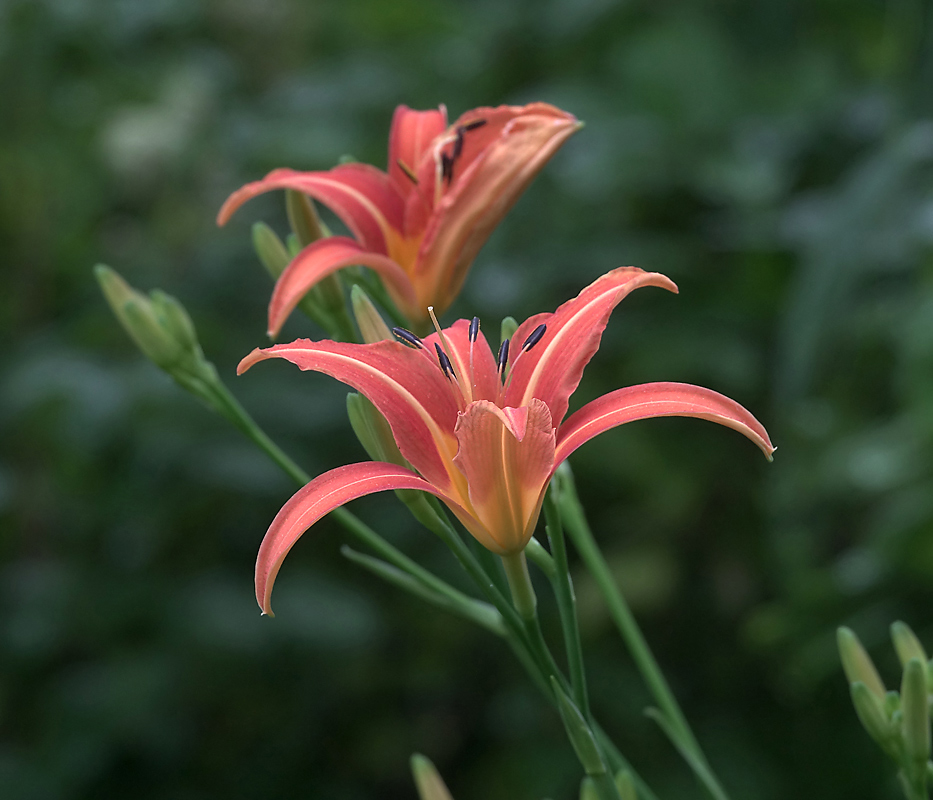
x=483, y=434
x=421, y=224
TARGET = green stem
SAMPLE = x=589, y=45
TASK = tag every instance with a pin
x=566, y=603
x=523, y=593
x=677, y=725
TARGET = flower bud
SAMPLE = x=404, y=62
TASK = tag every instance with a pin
x=139, y=318
x=857, y=663
x=508, y=328
x=428, y=781
x=588, y=790
x=370, y=322
x=579, y=733
x=871, y=714
x=626, y=785
x=373, y=431
x=915, y=708
x=303, y=218
x=906, y=643
x=271, y=250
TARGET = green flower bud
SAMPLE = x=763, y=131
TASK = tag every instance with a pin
x=303, y=218
x=373, y=431
x=175, y=321
x=872, y=715
x=588, y=790
x=370, y=322
x=857, y=663
x=140, y=319
x=916, y=719
x=271, y=250
x=508, y=328
x=906, y=643
x=428, y=781
x=579, y=733
x=626, y=785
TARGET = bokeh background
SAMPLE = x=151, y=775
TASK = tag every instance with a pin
x=774, y=158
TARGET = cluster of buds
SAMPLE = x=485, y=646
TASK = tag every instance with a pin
x=899, y=722
x=162, y=329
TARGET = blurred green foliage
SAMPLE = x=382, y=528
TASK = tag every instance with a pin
x=774, y=158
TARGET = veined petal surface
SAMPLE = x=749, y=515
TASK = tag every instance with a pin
x=507, y=456
x=657, y=400
x=362, y=196
x=410, y=137
x=406, y=385
x=313, y=501
x=318, y=260
x=552, y=369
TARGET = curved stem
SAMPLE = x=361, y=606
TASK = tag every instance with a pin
x=677, y=727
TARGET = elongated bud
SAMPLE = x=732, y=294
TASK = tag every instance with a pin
x=373, y=431
x=159, y=324
x=507, y=329
x=271, y=250
x=175, y=320
x=857, y=663
x=588, y=790
x=135, y=313
x=370, y=322
x=626, y=785
x=428, y=781
x=579, y=733
x=303, y=218
x=906, y=643
x=871, y=714
x=915, y=708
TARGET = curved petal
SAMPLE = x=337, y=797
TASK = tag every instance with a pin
x=313, y=501
x=551, y=370
x=318, y=260
x=404, y=384
x=657, y=400
x=474, y=363
x=496, y=163
x=410, y=137
x=363, y=197
x=507, y=456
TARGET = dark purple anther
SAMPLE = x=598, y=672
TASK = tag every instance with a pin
x=472, y=126
x=444, y=361
x=408, y=337
x=503, y=355
x=534, y=337
x=474, y=329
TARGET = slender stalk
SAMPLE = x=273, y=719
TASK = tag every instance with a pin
x=677, y=726
x=523, y=593
x=566, y=604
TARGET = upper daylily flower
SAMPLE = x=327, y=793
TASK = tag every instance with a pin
x=484, y=434
x=421, y=224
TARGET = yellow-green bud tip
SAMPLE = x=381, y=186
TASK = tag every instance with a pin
x=428, y=781
x=857, y=664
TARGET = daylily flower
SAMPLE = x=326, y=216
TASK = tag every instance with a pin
x=421, y=224
x=483, y=434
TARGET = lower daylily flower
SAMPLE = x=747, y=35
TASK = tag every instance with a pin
x=420, y=224
x=482, y=433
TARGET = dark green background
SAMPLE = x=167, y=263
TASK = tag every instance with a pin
x=774, y=158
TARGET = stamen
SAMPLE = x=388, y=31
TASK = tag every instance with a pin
x=408, y=337
x=458, y=144
x=407, y=170
x=472, y=126
x=474, y=329
x=447, y=168
x=503, y=356
x=534, y=337
x=446, y=366
x=466, y=389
